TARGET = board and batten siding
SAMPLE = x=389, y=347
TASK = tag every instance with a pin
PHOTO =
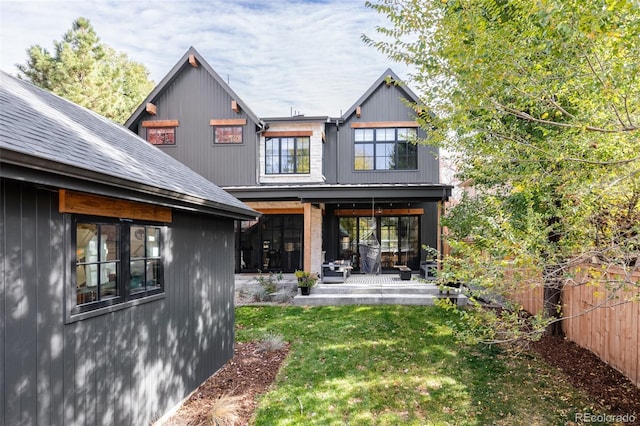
x=194, y=98
x=384, y=105
x=125, y=367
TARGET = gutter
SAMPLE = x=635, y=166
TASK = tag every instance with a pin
x=49, y=173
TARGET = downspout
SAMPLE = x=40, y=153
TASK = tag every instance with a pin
x=337, y=151
x=261, y=129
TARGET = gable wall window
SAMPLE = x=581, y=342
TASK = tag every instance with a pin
x=385, y=149
x=161, y=132
x=227, y=134
x=115, y=261
x=227, y=131
x=286, y=155
x=161, y=135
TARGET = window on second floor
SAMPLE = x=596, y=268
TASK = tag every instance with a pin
x=385, y=149
x=287, y=155
x=161, y=135
x=227, y=134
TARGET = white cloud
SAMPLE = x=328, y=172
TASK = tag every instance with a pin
x=278, y=56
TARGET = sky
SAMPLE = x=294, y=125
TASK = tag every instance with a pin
x=279, y=56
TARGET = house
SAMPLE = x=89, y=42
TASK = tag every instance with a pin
x=327, y=187
x=117, y=278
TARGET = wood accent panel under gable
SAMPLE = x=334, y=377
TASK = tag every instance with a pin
x=98, y=205
x=193, y=61
x=228, y=122
x=382, y=124
x=160, y=123
x=234, y=106
x=287, y=133
x=151, y=108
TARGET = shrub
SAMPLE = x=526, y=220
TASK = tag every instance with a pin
x=269, y=282
x=224, y=411
x=271, y=342
x=260, y=294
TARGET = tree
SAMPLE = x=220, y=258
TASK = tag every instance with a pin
x=89, y=73
x=541, y=101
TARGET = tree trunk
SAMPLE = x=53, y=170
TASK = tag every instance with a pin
x=552, y=300
x=552, y=277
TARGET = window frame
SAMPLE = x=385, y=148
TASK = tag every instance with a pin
x=378, y=145
x=125, y=297
x=297, y=157
x=235, y=127
x=161, y=128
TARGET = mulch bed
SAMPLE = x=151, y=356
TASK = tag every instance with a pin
x=586, y=371
x=246, y=376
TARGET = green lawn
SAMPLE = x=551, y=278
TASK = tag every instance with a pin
x=390, y=365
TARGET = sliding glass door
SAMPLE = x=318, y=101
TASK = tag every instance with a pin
x=398, y=237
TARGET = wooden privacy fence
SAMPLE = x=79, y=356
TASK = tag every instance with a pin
x=612, y=332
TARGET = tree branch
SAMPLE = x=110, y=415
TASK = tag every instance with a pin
x=547, y=154
x=523, y=115
x=597, y=76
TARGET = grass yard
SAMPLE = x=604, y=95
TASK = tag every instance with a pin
x=390, y=365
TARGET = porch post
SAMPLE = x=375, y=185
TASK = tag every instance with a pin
x=307, y=236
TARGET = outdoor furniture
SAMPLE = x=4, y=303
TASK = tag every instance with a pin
x=405, y=272
x=336, y=272
x=370, y=257
x=428, y=269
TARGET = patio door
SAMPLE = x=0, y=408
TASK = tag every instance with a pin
x=398, y=236
x=272, y=243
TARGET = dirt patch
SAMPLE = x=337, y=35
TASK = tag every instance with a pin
x=586, y=371
x=245, y=377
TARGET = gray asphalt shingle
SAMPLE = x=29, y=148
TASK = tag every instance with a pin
x=39, y=124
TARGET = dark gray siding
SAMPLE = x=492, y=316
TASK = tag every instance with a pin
x=194, y=98
x=125, y=367
x=384, y=104
x=428, y=226
x=330, y=154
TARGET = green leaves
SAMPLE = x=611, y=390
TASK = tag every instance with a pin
x=540, y=101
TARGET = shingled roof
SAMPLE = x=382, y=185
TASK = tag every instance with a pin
x=44, y=132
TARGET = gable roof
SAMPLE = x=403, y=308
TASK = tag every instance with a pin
x=42, y=132
x=388, y=75
x=171, y=76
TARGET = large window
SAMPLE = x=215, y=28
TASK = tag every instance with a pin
x=287, y=155
x=385, y=149
x=115, y=261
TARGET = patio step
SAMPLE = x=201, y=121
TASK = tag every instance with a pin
x=375, y=289
x=393, y=294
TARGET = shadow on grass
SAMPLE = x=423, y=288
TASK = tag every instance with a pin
x=394, y=365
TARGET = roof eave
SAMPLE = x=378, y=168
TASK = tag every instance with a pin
x=51, y=173
x=341, y=193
